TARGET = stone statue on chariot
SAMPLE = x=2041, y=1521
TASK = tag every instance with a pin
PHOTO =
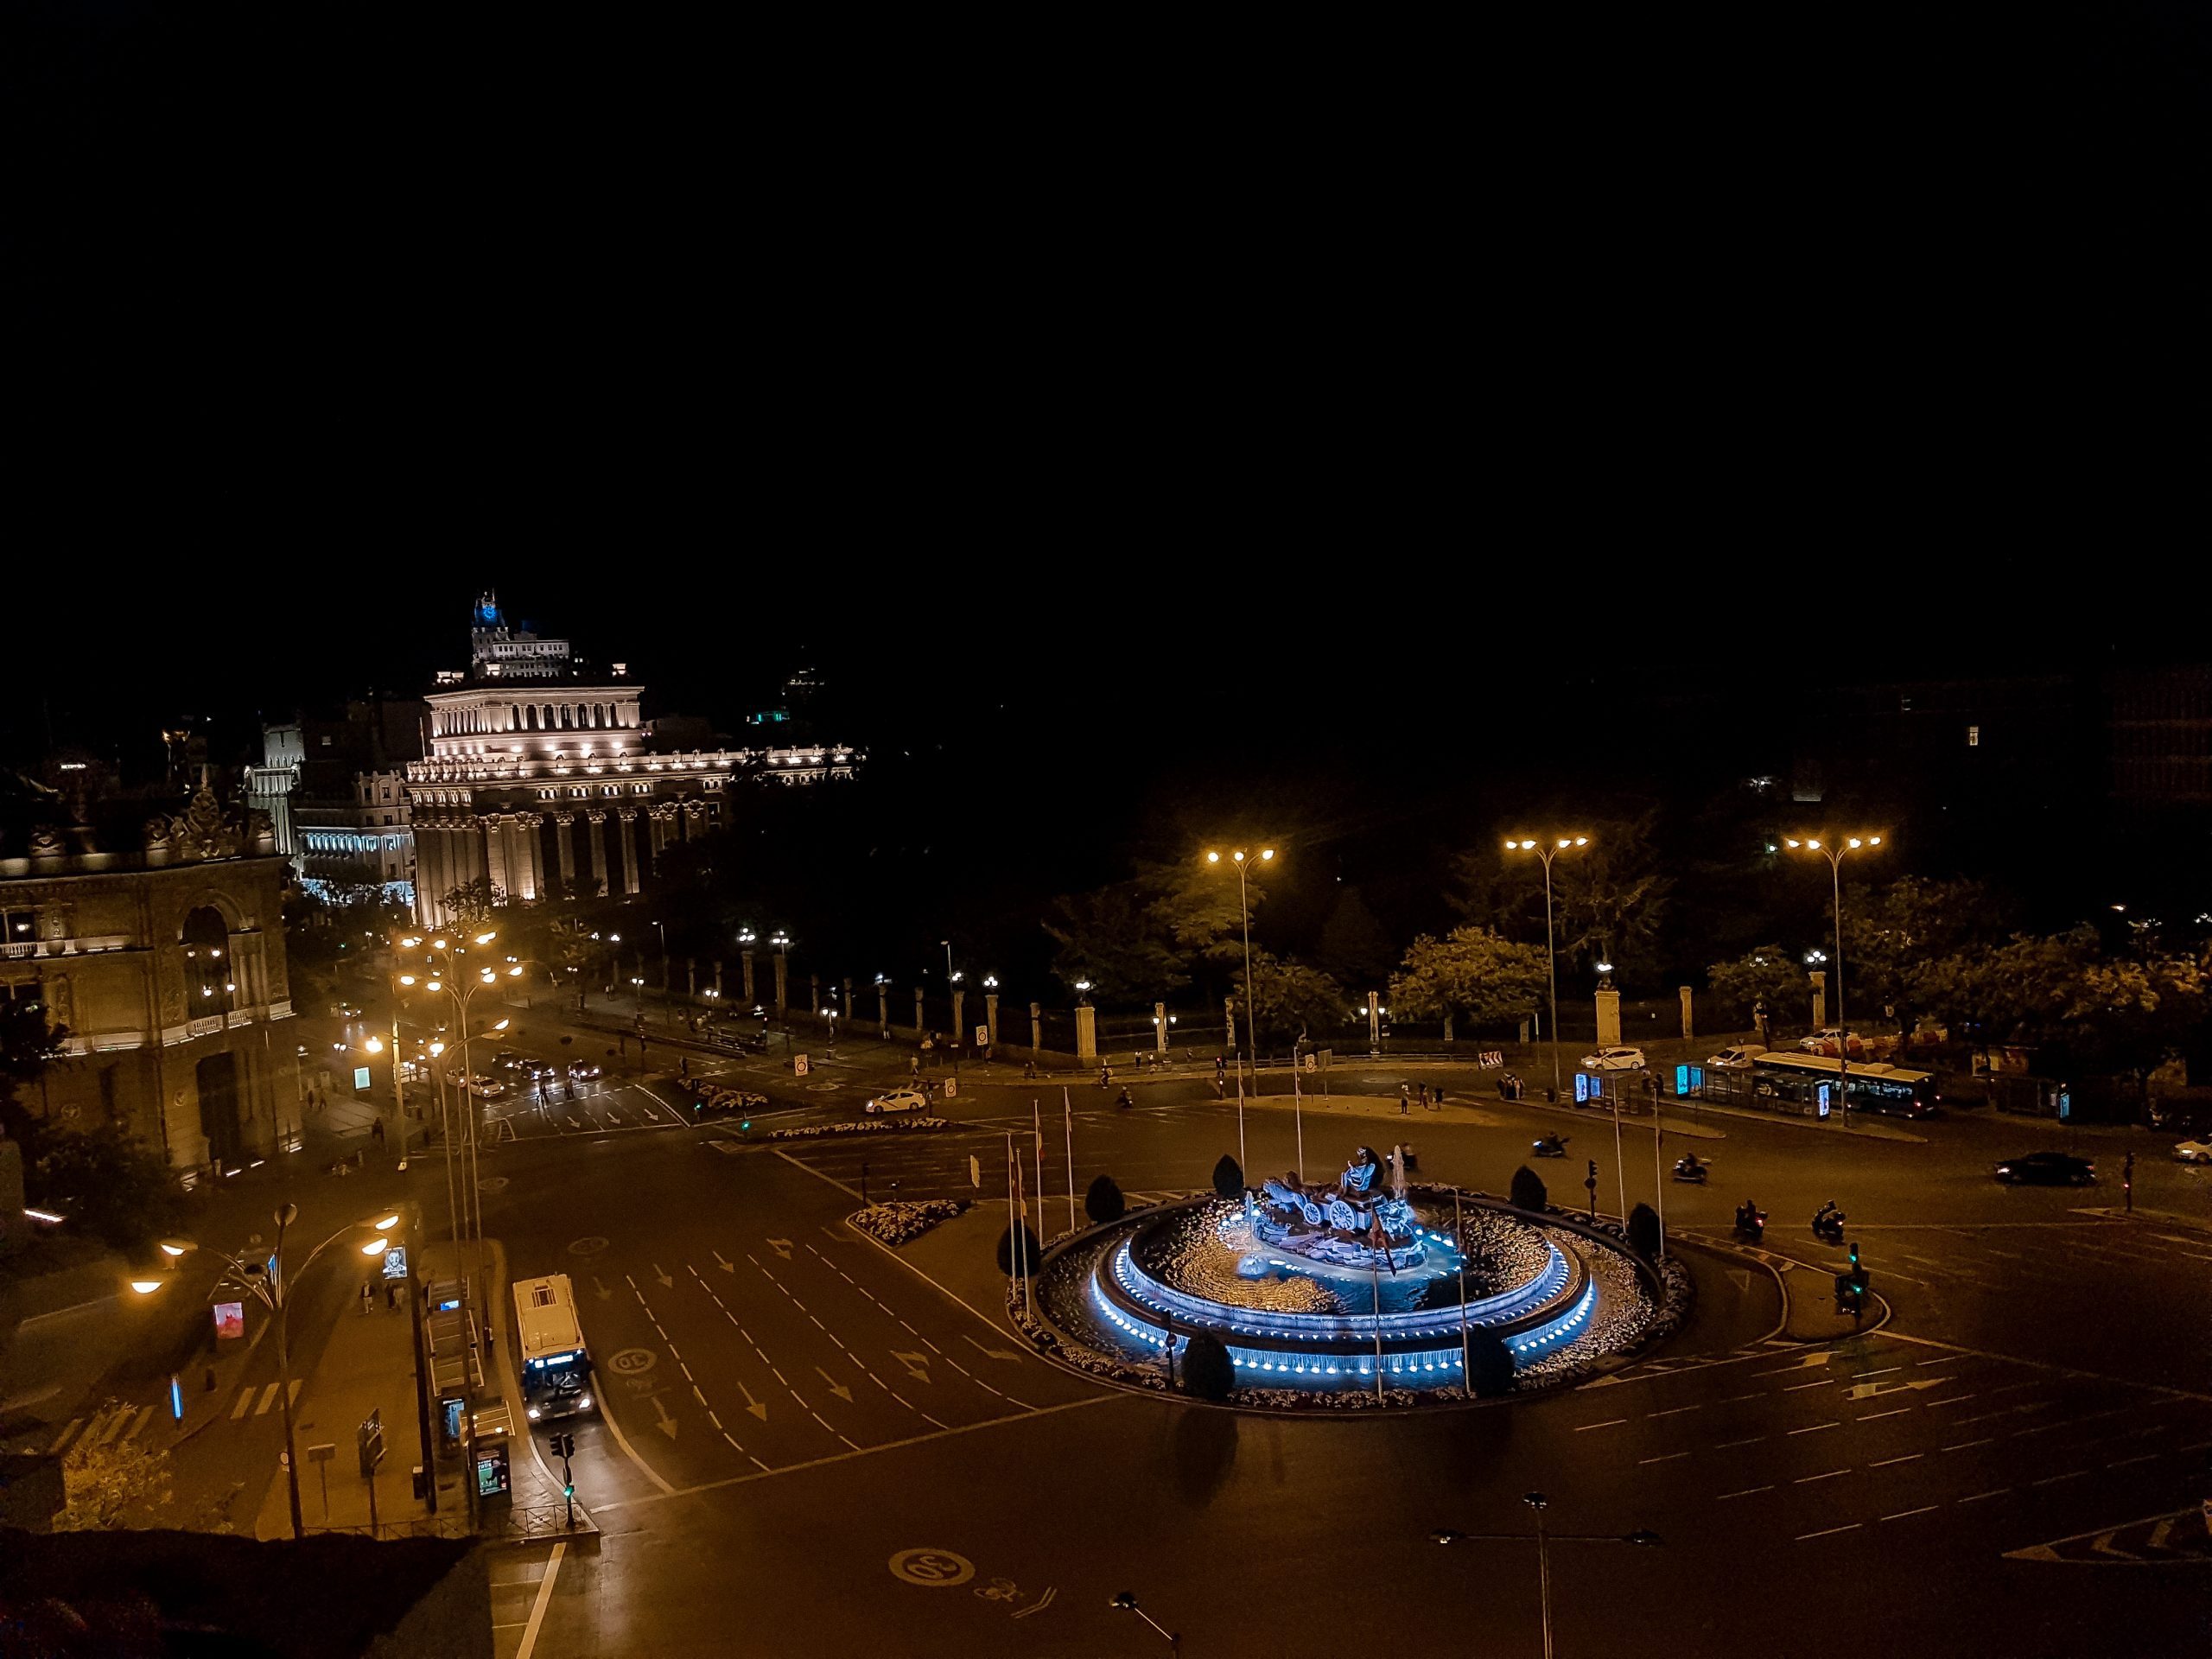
x=1362, y=1220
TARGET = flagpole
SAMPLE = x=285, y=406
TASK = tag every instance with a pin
x=1460, y=1244
x=1037, y=1128
x=1012, y=1237
x=1376, y=1278
x=1067, y=1117
x=1028, y=1267
x=1298, y=1115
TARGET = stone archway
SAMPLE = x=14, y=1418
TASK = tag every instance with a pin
x=217, y=1079
x=210, y=974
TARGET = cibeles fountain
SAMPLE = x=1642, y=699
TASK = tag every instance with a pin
x=1364, y=1284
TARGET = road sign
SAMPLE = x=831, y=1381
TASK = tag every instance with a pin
x=975, y=1170
x=322, y=1453
x=369, y=1441
x=798, y=1065
x=982, y=1036
x=1309, y=1062
x=360, y=1079
x=951, y=1087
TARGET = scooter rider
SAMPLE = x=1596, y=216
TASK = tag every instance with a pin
x=1688, y=1165
x=1747, y=1217
x=1827, y=1215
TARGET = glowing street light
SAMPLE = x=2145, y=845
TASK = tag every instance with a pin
x=1244, y=861
x=1835, y=855
x=1560, y=844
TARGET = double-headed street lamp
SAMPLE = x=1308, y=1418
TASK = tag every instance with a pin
x=445, y=971
x=268, y=1283
x=1835, y=854
x=1548, y=851
x=1244, y=861
x=1544, y=1538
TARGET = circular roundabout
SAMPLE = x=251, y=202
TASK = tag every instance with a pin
x=1361, y=1289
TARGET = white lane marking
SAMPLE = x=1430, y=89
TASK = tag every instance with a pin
x=1670, y=1457
x=1675, y=1411
x=2124, y=1462
x=1872, y=1416
x=1610, y=1423
x=2052, y=1480
x=268, y=1398
x=1911, y=1456
x=1967, y=1445
x=1814, y=1429
x=1753, y=1441
x=1978, y=1497
x=537, y=1607
x=245, y=1403
x=1924, y=1509
x=1746, y=1492
x=1807, y=1480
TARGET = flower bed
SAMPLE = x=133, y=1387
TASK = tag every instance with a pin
x=866, y=1126
x=896, y=1224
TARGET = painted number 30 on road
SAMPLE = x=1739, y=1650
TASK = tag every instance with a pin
x=938, y=1568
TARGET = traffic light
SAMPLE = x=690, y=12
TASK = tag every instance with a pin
x=1590, y=1179
x=745, y=1126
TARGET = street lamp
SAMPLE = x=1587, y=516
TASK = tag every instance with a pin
x=1642, y=1538
x=445, y=971
x=1835, y=854
x=269, y=1286
x=1244, y=861
x=1126, y=1602
x=1548, y=851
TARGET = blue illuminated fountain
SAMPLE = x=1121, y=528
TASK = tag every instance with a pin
x=1321, y=1287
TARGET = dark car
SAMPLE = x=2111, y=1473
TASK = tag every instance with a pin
x=581, y=1069
x=2048, y=1169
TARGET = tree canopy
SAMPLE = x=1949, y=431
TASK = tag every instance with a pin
x=1473, y=974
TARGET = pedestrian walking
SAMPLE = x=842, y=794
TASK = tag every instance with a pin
x=1424, y=1096
x=1405, y=1100
x=1439, y=1097
x=391, y=1295
x=368, y=1296
x=376, y=1132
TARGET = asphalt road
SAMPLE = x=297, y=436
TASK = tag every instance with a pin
x=818, y=1450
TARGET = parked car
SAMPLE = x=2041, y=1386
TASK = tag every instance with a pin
x=1614, y=1059
x=1738, y=1059
x=2193, y=1151
x=2190, y=1116
x=898, y=1100
x=2048, y=1169
x=579, y=1070
x=1830, y=1041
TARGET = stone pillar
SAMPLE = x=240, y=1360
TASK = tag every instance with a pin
x=918, y=1011
x=526, y=827
x=846, y=1006
x=627, y=818
x=1036, y=1025
x=1820, y=998
x=991, y=1015
x=595, y=833
x=1086, y=1035
x=495, y=852
x=959, y=1030
x=694, y=814
x=782, y=982
x=744, y=966
x=1228, y=1018
x=1160, y=1028
x=691, y=977
x=883, y=1006
x=1689, y=1030
x=564, y=846
x=1609, y=1017
x=718, y=979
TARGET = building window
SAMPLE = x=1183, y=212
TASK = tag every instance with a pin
x=18, y=926
x=1974, y=737
x=23, y=994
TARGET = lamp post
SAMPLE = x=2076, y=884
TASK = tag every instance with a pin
x=1244, y=860
x=1835, y=855
x=1545, y=1538
x=952, y=1002
x=1548, y=852
x=782, y=941
x=269, y=1285
x=445, y=971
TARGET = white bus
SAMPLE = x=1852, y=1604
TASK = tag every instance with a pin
x=556, y=1368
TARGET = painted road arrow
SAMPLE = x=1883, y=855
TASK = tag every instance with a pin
x=667, y=1424
x=2185, y=1535
x=835, y=1387
x=667, y=1283
x=918, y=1366
x=1876, y=1391
x=757, y=1407
x=988, y=1353
x=604, y=1292
x=726, y=1266
x=782, y=1247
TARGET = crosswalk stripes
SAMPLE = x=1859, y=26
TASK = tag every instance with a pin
x=138, y=1425
x=115, y=1425
x=245, y=1400
x=63, y=1438
x=268, y=1398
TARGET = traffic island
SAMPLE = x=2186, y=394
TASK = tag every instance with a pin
x=901, y=1222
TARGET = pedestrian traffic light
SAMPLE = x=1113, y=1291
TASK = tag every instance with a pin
x=1590, y=1179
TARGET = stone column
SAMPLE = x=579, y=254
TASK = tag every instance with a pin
x=959, y=1018
x=782, y=982
x=848, y=1008
x=883, y=1007
x=1036, y=1025
x=991, y=1015
x=495, y=852
x=564, y=845
x=1689, y=1030
x=745, y=963
x=595, y=833
x=1820, y=998
x=691, y=977
x=693, y=812
x=1160, y=1028
x=718, y=979
x=1086, y=1035
x=626, y=817
x=1609, y=1017
x=918, y=1011
x=526, y=829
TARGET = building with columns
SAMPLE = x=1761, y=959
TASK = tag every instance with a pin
x=533, y=782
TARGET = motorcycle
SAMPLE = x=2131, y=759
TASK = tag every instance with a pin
x=1550, y=1145
x=1695, y=1173
x=1828, y=1224
x=1125, y=1103
x=1751, y=1224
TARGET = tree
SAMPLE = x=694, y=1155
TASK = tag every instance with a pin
x=471, y=904
x=1103, y=1202
x=1207, y=1371
x=1527, y=1191
x=1609, y=897
x=109, y=1184
x=1892, y=933
x=108, y=1485
x=1472, y=974
x=1111, y=940
x=1197, y=904
x=1229, y=1177
x=1289, y=997
x=1643, y=1232
x=1352, y=946
x=28, y=1045
x=1030, y=1251
x=1489, y=1362
x=1766, y=974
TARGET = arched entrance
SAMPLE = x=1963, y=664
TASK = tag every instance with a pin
x=218, y=1079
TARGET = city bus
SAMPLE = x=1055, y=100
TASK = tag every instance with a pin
x=1874, y=1086
x=556, y=1367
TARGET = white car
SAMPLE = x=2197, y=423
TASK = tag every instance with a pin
x=2193, y=1151
x=1827, y=1041
x=898, y=1100
x=486, y=1088
x=1614, y=1059
x=1738, y=1059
